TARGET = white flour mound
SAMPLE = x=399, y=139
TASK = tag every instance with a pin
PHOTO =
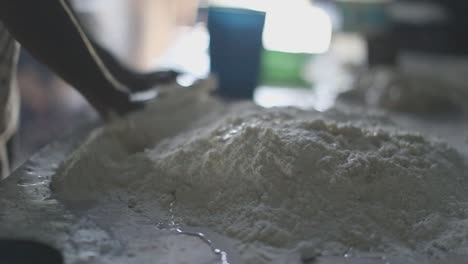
x=280, y=178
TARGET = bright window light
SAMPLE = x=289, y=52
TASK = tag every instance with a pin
x=296, y=27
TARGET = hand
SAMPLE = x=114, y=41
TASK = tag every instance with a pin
x=145, y=81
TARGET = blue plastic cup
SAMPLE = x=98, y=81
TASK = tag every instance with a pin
x=235, y=49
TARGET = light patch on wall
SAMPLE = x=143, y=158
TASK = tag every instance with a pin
x=297, y=27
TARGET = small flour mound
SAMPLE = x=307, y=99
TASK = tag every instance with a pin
x=399, y=91
x=286, y=179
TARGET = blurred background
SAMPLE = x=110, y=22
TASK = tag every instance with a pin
x=278, y=53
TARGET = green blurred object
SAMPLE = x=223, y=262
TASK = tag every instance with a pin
x=284, y=69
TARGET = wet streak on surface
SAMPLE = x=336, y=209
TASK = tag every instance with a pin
x=173, y=226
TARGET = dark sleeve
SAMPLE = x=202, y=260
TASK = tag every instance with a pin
x=49, y=30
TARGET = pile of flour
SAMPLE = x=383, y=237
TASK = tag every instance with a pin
x=279, y=179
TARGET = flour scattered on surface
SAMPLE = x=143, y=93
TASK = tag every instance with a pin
x=280, y=180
